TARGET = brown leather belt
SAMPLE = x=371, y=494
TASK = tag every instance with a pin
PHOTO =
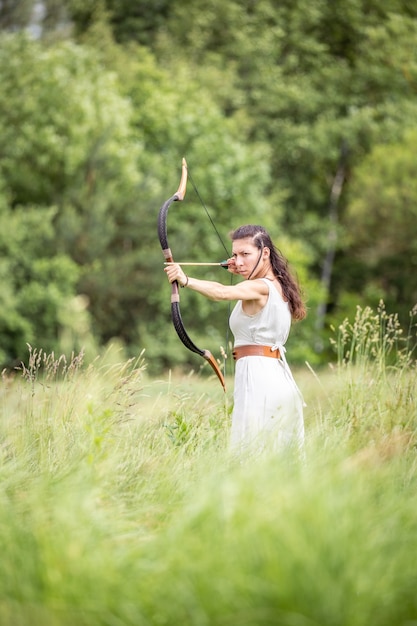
x=240, y=351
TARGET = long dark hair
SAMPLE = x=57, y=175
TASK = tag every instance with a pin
x=290, y=288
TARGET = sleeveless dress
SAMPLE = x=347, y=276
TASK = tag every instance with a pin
x=268, y=406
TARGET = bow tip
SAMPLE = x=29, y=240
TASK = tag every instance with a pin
x=183, y=183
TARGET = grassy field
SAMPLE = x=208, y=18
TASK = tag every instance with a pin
x=120, y=503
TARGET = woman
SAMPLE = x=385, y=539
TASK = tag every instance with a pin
x=268, y=407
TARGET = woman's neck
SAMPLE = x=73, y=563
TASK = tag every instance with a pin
x=267, y=272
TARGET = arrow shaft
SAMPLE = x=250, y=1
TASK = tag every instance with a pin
x=167, y=263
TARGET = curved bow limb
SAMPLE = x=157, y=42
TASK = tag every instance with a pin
x=175, y=296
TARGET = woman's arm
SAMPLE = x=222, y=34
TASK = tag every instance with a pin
x=247, y=290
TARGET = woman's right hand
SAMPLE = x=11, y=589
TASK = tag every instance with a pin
x=231, y=265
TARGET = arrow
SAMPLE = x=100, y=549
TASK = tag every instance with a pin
x=221, y=264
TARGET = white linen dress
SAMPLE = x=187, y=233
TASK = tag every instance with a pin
x=268, y=406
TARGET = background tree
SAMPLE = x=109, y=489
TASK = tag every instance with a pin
x=312, y=76
x=67, y=159
x=72, y=141
x=38, y=285
x=258, y=96
x=15, y=15
x=382, y=226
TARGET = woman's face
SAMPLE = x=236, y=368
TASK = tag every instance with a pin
x=246, y=256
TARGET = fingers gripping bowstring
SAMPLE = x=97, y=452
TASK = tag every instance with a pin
x=203, y=204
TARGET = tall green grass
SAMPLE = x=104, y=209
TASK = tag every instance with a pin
x=120, y=503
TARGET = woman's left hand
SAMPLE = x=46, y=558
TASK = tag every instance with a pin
x=175, y=273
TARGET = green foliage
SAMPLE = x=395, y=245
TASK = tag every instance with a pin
x=66, y=142
x=115, y=486
x=138, y=22
x=373, y=337
x=58, y=123
x=15, y=15
x=36, y=283
x=312, y=75
x=381, y=220
x=258, y=97
x=82, y=152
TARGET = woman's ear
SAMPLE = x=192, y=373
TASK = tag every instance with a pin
x=266, y=252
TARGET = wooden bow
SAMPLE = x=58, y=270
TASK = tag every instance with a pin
x=175, y=296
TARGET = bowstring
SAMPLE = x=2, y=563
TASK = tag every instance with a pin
x=203, y=204
x=207, y=212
